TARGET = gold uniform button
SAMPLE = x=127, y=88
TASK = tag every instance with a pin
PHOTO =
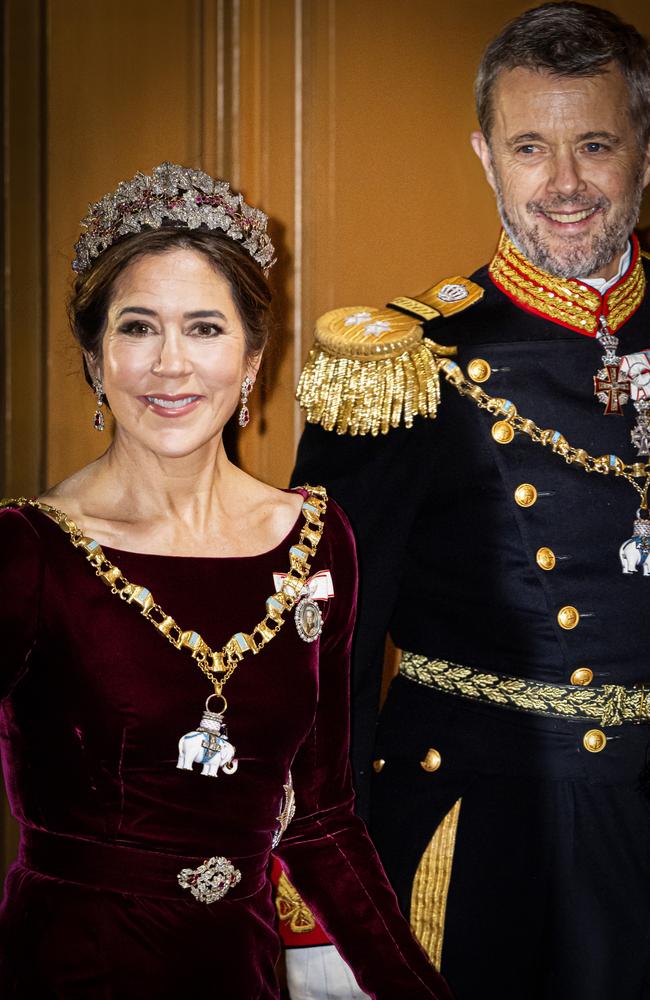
x=502, y=432
x=568, y=617
x=545, y=558
x=432, y=760
x=594, y=740
x=479, y=370
x=378, y=765
x=526, y=495
x=582, y=677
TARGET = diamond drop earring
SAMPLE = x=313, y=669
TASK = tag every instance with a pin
x=98, y=419
x=246, y=387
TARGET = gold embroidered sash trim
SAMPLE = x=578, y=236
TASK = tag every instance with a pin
x=567, y=301
x=431, y=886
x=218, y=666
x=609, y=704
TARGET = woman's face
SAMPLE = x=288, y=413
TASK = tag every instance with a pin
x=174, y=353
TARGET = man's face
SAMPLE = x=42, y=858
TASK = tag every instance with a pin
x=565, y=163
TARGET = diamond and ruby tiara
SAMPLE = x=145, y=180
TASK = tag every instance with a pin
x=181, y=196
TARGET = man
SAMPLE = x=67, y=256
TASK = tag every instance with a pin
x=507, y=799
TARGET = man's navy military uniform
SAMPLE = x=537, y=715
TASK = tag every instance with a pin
x=508, y=797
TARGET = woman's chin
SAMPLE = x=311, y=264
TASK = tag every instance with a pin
x=170, y=443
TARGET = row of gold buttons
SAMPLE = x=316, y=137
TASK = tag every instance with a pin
x=594, y=741
x=430, y=762
x=479, y=370
x=526, y=496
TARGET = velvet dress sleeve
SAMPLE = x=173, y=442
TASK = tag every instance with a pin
x=326, y=850
x=20, y=585
x=381, y=484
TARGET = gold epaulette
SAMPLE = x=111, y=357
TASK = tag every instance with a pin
x=373, y=369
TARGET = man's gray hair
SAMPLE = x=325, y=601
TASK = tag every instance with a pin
x=568, y=39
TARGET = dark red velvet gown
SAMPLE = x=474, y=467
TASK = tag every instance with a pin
x=94, y=703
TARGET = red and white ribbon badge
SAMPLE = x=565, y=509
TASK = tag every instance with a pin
x=321, y=587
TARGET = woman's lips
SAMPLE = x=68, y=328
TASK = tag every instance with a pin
x=171, y=406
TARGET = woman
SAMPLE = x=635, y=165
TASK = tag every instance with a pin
x=148, y=813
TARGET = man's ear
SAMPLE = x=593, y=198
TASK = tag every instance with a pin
x=482, y=150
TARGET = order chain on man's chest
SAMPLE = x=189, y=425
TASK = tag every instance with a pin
x=629, y=381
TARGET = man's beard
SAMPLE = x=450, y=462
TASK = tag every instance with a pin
x=577, y=258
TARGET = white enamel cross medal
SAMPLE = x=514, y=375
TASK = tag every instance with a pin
x=636, y=368
x=611, y=386
x=611, y=389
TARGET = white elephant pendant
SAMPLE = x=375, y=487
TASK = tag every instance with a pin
x=635, y=552
x=208, y=745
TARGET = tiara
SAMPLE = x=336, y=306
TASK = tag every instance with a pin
x=180, y=195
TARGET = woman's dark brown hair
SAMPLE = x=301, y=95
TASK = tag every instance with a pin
x=91, y=294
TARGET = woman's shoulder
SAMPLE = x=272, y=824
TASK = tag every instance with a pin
x=334, y=569
x=68, y=495
x=337, y=524
x=20, y=540
x=337, y=547
x=17, y=519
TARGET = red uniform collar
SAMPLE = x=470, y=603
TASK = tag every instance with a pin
x=567, y=301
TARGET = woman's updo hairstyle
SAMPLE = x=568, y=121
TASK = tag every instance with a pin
x=93, y=288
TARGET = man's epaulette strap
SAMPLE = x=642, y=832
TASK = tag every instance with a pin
x=373, y=369
x=444, y=299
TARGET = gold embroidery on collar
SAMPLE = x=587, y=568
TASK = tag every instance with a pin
x=625, y=298
x=566, y=300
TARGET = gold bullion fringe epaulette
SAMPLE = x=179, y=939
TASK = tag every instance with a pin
x=372, y=369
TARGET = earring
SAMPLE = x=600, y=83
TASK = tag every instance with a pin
x=246, y=387
x=98, y=419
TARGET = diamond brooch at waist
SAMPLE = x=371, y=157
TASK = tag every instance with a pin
x=211, y=880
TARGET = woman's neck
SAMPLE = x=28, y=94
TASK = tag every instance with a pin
x=195, y=504
x=146, y=486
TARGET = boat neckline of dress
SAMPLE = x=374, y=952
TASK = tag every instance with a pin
x=301, y=490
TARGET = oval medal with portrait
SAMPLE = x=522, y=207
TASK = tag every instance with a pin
x=309, y=621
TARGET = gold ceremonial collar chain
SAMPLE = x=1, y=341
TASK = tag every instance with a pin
x=509, y=422
x=217, y=666
x=567, y=301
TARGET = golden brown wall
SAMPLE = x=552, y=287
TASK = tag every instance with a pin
x=346, y=120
